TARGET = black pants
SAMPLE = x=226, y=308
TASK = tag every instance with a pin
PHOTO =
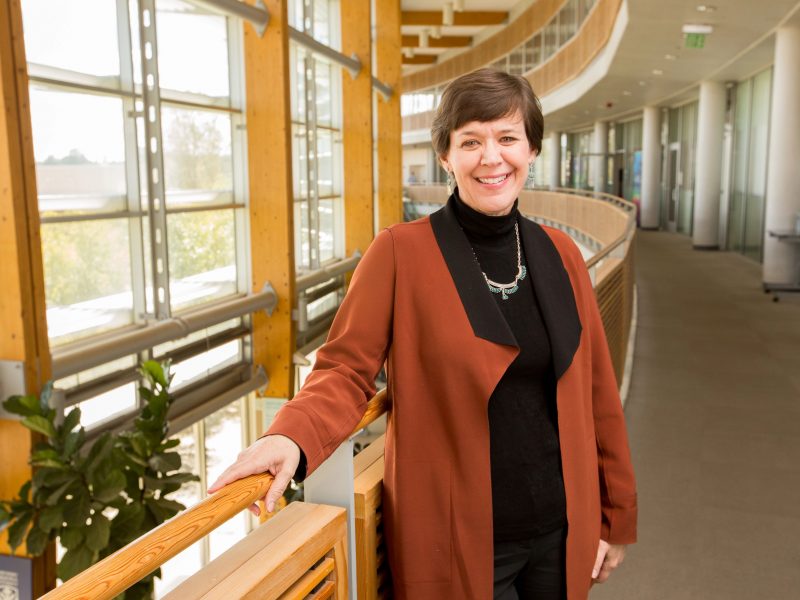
x=533, y=569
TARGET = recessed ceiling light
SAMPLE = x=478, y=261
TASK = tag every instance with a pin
x=697, y=28
x=706, y=8
x=658, y=72
x=642, y=83
x=626, y=93
x=670, y=56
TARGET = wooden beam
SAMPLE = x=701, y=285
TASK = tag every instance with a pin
x=467, y=18
x=446, y=41
x=390, y=152
x=269, y=152
x=23, y=334
x=359, y=204
x=420, y=59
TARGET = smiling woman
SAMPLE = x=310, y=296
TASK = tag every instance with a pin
x=487, y=133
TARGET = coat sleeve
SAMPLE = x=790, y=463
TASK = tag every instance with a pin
x=618, y=501
x=334, y=397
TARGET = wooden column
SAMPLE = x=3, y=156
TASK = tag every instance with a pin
x=359, y=212
x=388, y=43
x=269, y=148
x=23, y=326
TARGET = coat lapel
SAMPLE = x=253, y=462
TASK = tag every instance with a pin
x=485, y=317
x=554, y=294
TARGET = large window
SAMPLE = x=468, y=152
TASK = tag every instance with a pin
x=749, y=173
x=95, y=158
x=316, y=137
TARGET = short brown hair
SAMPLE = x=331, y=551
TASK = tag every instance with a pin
x=486, y=95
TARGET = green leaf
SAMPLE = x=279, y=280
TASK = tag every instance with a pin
x=26, y=406
x=174, y=442
x=165, y=462
x=72, y=420
x=74, y=561
x=153, y=371
x=51, y=517
x=36, y=541
x=139, y=444
x=48, y=477
x=77, y=509
x=98, y=453
x=126, y=526
x=110, y=487
x=156, y=483
x=72, y=537
x=97, y=532
x=4, y=515
x=40, y=424
x=45, y=453
x=55, y=496
x=16, y=531
x=44, y=397
x=74, y=442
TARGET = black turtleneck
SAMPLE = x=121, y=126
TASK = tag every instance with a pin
x=527, y=484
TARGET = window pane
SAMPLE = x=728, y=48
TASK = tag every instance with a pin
x=197, y=155
x=327, y=229
x=223, y=444
x=322, y=80
x=325, y=162
x=192, y=49
x=87, y=269
x=79, y=146
x=108, y=404
x=204, y=364
x=202, y=256
x=79, y=36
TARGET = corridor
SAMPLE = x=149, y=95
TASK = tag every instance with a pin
x=714, y=419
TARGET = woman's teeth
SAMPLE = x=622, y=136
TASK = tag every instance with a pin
x=491, y=180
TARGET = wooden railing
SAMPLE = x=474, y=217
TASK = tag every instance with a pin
x=116, y=573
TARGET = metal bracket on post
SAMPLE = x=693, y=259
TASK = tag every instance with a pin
x=270, y=308
x=384, y=89
x=12, y=383
x=332, y=483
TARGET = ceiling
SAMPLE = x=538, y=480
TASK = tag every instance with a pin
x=741, y=44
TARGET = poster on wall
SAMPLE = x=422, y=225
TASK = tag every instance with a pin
x=15, y=578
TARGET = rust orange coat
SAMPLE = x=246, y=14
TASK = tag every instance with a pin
x=418, y=301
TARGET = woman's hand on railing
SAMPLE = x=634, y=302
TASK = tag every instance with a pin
x=275, y=454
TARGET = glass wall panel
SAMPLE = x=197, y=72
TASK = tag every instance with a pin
x=757, y=175
x=78, y=36
x=688, y=139
x=741, y=157
x=192, y=49
x=202, y=256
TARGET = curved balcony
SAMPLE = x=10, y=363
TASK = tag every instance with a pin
x=307, y=551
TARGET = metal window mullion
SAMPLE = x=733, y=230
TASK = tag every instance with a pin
x=155, y=159
x=312, y=162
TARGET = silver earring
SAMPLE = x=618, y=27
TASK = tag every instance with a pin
x=451, y=183
x=530, y=181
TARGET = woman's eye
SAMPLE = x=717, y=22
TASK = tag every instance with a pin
x=508, y=138
x=469, y=143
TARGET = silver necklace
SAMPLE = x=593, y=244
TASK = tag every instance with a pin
x=506, y=289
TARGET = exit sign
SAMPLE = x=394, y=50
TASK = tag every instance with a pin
x=695, y=40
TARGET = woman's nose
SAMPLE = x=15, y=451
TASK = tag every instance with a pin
x=491, y=154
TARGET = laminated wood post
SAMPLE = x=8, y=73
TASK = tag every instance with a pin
x=388, y=43
x=269, y=150
x=359, y=210
x=24, y=350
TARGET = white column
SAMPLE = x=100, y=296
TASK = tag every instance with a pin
x=710, y=124
x=783, y=174
x=600, y=149
x=650, y=208
x=555, y=158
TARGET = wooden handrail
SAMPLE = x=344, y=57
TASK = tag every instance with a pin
x=116, y=573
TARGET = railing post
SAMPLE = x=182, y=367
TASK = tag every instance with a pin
x=332, y=483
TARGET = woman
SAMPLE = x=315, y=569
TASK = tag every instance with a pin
x=508, y=472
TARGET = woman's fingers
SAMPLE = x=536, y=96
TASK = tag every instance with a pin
x=602, y=549
x=277, y=488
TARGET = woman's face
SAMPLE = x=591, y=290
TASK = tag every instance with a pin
x=490, y=162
